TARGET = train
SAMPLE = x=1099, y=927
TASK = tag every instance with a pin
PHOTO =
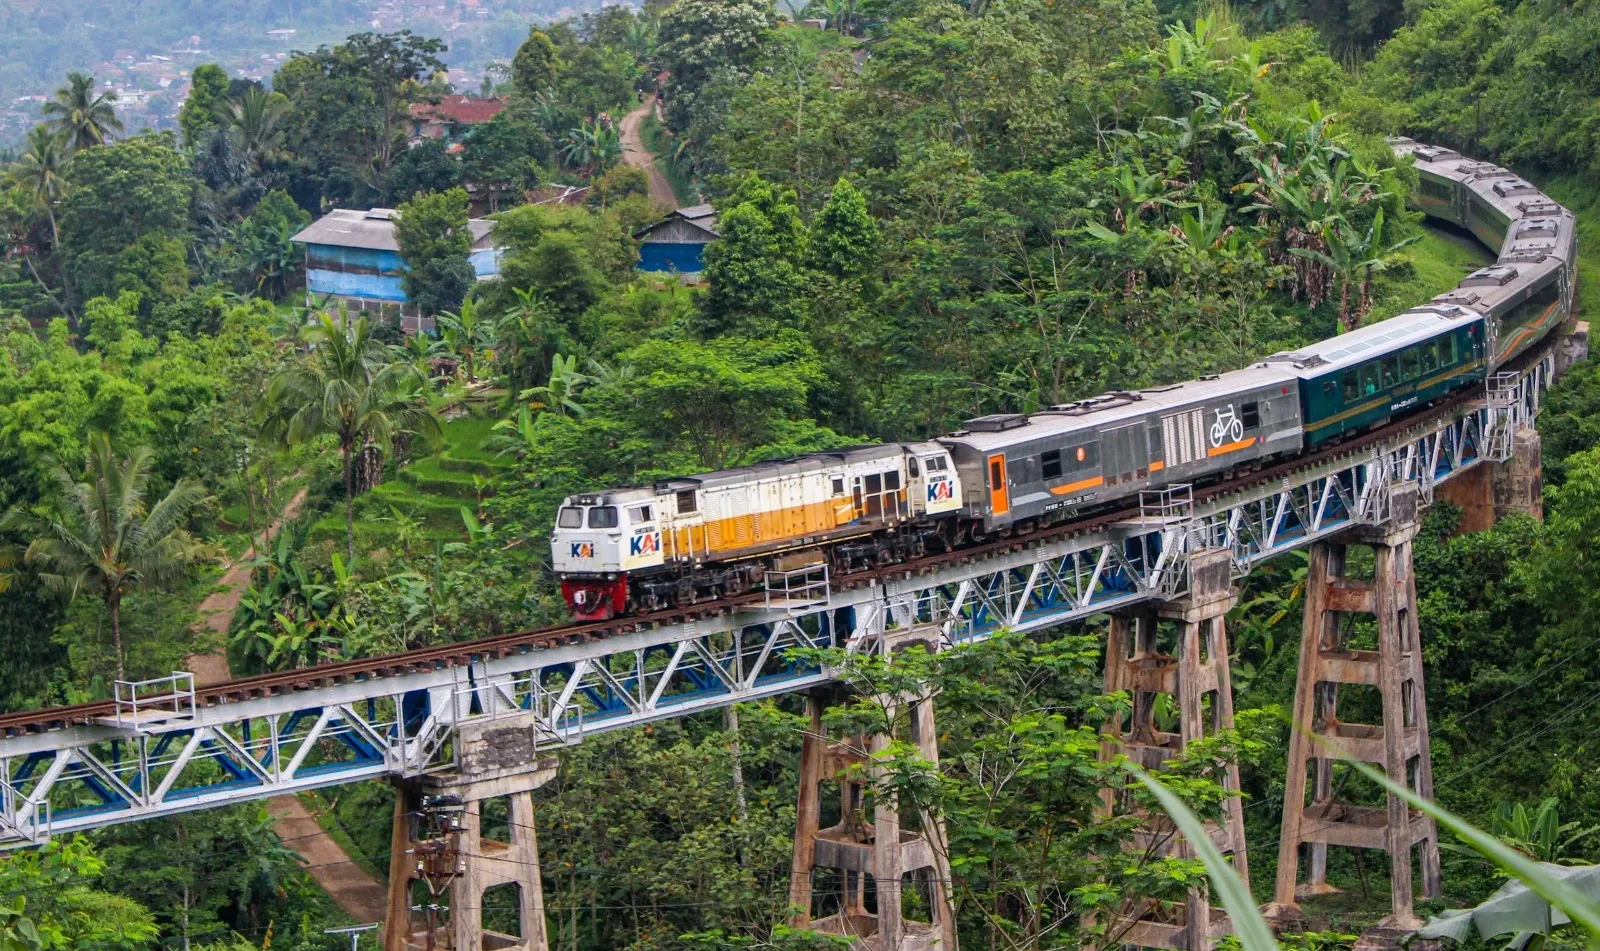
x=720, y=534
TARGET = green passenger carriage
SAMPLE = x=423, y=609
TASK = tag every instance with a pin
x=1365, y=377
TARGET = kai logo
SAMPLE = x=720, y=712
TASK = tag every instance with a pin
x=583, y=549
x=940, y=491
x=647, y=543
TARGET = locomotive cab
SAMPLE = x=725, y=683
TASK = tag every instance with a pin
x=597, y=541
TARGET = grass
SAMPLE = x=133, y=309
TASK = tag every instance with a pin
x=1583, y=200
x=656, y=139
x=1438, y=262
x=322, y=810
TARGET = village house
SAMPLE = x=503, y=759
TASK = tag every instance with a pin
x=451, y=116
x=677, y=242
x=353, y=258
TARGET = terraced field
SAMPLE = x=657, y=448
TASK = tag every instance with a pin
x=431, y=490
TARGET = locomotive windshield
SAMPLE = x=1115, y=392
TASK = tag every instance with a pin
x=571, y=517
x=603, y=516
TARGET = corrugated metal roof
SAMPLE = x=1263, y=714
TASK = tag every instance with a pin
x=1113, y=408
x=373, y=230
x=703, y=217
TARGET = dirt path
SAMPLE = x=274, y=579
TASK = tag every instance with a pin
x=216, y=611
x=348, y=884
x=634, y=153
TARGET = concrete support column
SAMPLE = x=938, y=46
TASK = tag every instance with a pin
x=1318, y=737
x=461, y=863
x=1490, y=491
x=1195, y=673
x=882, y=850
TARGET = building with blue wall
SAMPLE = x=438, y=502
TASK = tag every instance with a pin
x=678, y=242
x=352, y=257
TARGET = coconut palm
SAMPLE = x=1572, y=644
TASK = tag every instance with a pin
x=41, y=171
x=347, y=387
x=105, y=538
x=255, y=119
x=83, y=118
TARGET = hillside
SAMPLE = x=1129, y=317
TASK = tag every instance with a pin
x=938, y=232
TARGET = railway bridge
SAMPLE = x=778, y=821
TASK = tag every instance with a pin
x=457, y=725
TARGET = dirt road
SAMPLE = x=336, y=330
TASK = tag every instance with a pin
x=348, y=884
x=634, y=153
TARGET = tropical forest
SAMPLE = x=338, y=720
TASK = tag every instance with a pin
x=924, y=212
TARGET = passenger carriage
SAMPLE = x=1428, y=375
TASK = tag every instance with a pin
x=1366, y=377
x=1050, y=466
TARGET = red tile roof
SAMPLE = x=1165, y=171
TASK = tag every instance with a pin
x=463, y=109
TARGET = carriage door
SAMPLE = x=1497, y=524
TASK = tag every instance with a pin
x=1124, y=454
x=999, y=497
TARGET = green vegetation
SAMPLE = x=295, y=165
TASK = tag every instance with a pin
x=927, y=211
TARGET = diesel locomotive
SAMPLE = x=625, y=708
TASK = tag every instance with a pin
x=718, y=534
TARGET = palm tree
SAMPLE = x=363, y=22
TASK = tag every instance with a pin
x=346, y=387
x=255, y=118
x=83, y=118
x=41, y=172
x=104, y=536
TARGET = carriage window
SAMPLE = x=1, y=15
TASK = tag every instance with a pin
x=996, y=477
x=1351, y=388
x=640, y=514
x=603, y=516
x=1250, y=415
x=1447, y=351
x=891, y=480
x=571, y=517
x=838, y=487
x=686, y=503
x=1430, y=356
x=873, y=484
x=1369, y=379
x=1408, y=364
x=1050, y=463
x=1391, y=372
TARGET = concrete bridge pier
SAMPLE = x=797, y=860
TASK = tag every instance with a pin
x=882, y=851
x=1329, y=668
x=1197, y=676
x=442, y=862
x=1490, y=491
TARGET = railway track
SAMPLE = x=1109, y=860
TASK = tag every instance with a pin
x=502, y=645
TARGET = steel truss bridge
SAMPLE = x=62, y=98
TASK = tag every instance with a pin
x=165, y=747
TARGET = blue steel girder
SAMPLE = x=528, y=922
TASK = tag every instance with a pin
x=403, y=722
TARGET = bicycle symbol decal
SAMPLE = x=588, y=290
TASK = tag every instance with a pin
x=1227, y=427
